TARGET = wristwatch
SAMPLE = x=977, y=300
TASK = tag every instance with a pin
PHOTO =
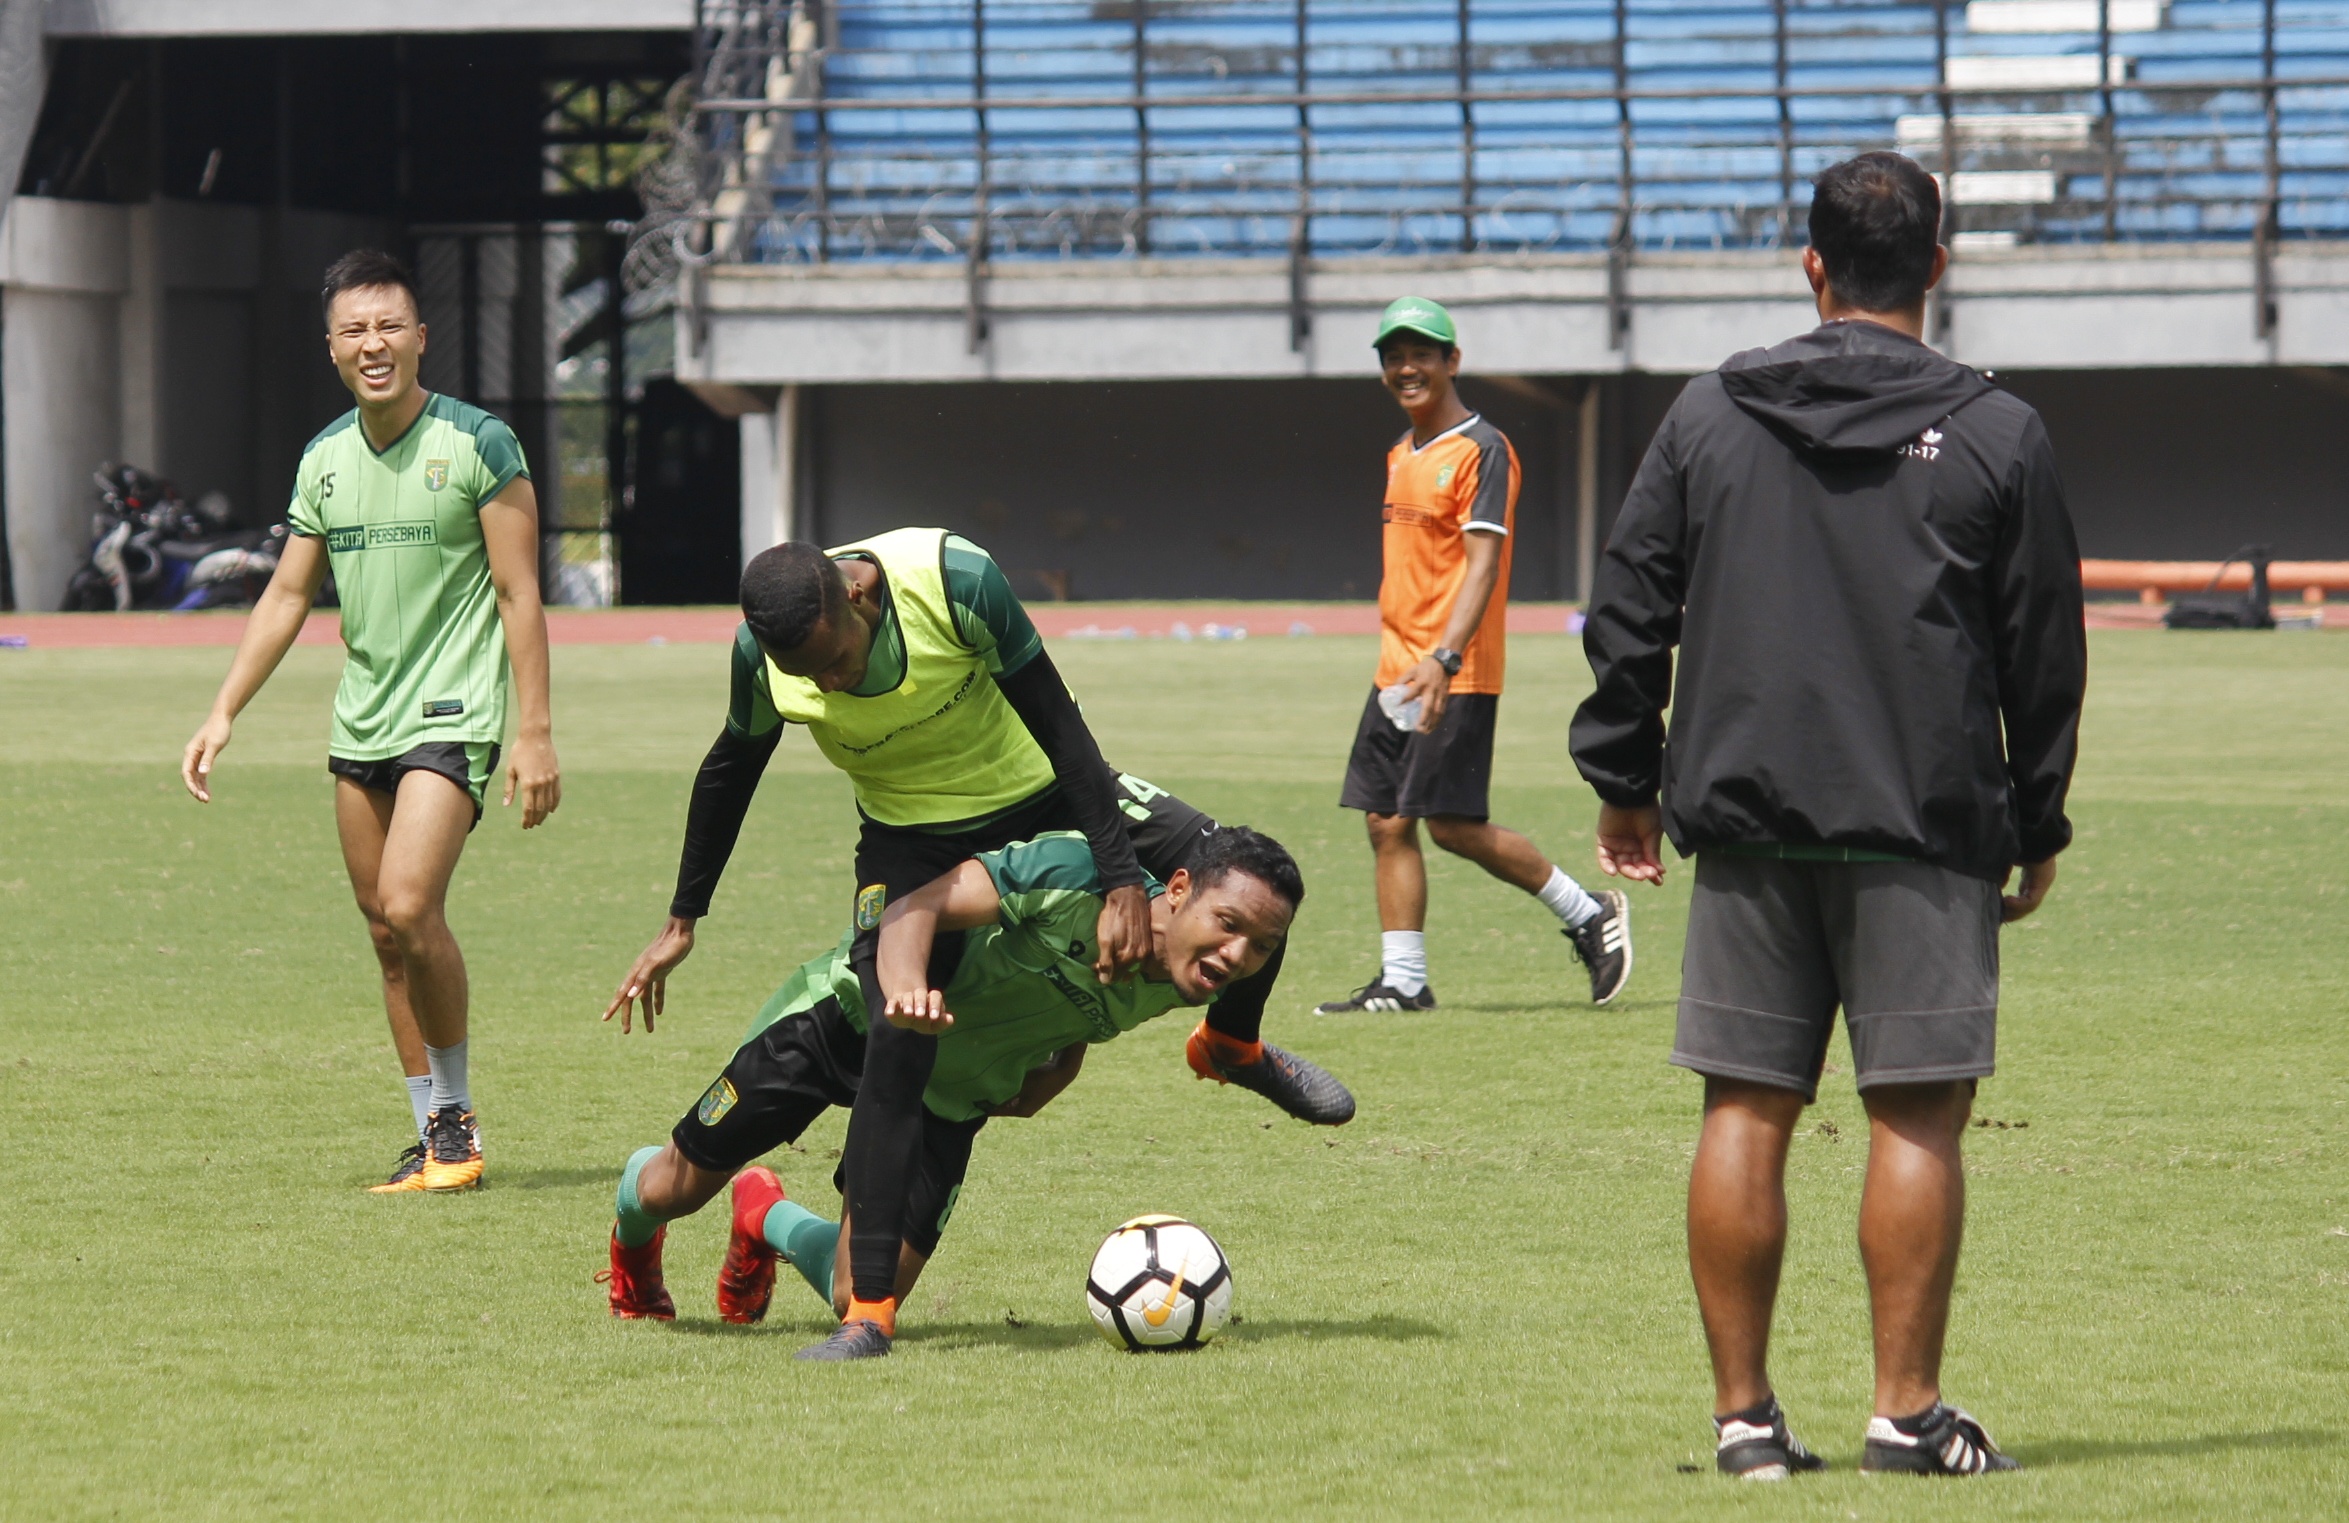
x=1449, y=660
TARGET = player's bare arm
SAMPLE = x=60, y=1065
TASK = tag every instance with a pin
x=962, y=900
x=270, y=631
x=1044, y=1083
x=509, y=532
x=1428, y=681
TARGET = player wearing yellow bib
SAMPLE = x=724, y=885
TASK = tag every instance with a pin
x=424, y=508
x=917, y=673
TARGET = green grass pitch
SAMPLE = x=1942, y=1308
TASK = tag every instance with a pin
x=1471, y=1303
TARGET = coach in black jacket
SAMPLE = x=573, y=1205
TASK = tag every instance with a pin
x=1862, y=551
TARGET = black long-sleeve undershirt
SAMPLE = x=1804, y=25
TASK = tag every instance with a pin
x=1036, y=693
x=722, y=791
x=729, y=780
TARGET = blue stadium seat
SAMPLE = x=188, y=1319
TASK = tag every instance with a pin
x=1197, y=146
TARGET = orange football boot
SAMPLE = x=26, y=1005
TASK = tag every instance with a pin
x=409, y=1175
x=453, y=1158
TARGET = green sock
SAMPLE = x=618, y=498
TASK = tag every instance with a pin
x=636, y=1226
x=806, y=1240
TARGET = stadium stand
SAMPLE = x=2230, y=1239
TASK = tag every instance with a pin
x=930, y=130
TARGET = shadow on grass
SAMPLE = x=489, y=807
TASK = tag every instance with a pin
x=1621, y=1007
x=550, y=1179
x=1047, y=1336
x=999, y=1334
x=1383, y=1328
x=1039, y=1335
x=2088, y=1451
x=794, y=1330
x=944, y=1335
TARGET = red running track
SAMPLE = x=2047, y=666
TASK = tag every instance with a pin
x=713, y=626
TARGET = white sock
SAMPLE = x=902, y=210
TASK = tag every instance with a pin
x=448, y=1077
x=1404, y=954
x=420, y=1100
x=1566, y=898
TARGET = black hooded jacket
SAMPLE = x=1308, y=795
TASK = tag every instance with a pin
x=1862, y=551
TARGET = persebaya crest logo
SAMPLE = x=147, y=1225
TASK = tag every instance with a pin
x=717, y=1102
x=436, y=475
x=1444, y=477
x=870, y=901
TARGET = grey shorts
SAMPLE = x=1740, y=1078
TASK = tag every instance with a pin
x=1908, y=950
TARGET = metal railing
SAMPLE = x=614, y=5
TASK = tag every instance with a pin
x=987, y=130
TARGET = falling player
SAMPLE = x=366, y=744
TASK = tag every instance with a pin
x=991, y=966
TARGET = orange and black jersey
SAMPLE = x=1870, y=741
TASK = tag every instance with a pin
x=1461, y=482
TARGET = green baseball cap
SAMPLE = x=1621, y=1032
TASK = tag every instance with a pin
x=1415, y=314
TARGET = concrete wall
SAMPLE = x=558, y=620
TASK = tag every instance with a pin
x=1270, y=489
x=2038, y=306
x=181, y=337
x=2189, y=464
x=2171, y=464
x=63, y=271
x=1253, y=489
x=302, y=18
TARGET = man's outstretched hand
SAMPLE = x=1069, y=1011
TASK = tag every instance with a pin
x=1122, y=933
x=1631, y=843
x=648, y=981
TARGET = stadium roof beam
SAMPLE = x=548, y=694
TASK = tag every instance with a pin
x=2077, y=306
x=309, y=18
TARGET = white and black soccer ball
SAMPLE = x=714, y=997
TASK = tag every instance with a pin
x=1159, y=1282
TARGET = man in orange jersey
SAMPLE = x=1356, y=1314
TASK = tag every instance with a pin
x=1424, y=748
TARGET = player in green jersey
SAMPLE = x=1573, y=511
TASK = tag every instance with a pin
x=991, y=963
x=913, y=667
x=423, y=507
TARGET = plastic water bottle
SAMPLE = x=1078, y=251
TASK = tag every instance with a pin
x=1404, y=712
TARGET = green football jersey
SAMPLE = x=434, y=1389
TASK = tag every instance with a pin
x=426, y=655
x=1024, y=988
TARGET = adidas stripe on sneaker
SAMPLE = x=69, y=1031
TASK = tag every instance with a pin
x=1941, y=1440
x=1757, y=1445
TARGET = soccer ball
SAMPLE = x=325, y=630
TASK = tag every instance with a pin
x=1159, y=1282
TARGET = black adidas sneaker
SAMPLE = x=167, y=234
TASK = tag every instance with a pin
x=1603, y=942
x=1941, y=1440
x=1756, y=1445
x=1378, y=995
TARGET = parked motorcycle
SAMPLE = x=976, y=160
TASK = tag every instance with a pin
x=151, y=550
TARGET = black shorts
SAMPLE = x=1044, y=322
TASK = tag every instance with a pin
x=791, y=1073
x=470, y=764
x=1403, y=772
x=894, y=860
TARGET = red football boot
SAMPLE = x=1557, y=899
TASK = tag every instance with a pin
x=635, y=1278
x=746, y=1281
